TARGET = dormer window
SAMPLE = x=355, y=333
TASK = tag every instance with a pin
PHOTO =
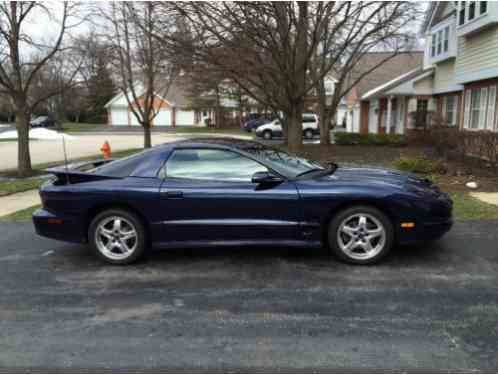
x=440, y=41
x=470, y=10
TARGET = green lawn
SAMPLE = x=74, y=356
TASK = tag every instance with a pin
x=75, y=127
x=469, y=208
x=206, y=130
x=20, y=216
x=16, y=186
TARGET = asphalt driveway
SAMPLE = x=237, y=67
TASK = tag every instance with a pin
x=427, y=308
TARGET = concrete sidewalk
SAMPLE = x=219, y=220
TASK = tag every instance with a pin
x=491, y=198
x=16, y=202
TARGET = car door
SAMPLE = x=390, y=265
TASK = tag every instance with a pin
x=207, y=195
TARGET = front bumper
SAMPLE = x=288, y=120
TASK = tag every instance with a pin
x=424, y=232
x=59, y=227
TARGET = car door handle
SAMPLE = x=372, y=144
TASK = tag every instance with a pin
x=172, y=194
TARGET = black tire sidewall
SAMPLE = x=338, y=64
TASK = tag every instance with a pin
x=336, y=222
x=141, y=236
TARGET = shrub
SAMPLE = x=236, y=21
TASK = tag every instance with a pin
x=349, y=139
x=420, y=164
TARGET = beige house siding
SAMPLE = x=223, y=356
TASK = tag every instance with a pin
x=423, y=86
x=444, y=76
x=477, y=56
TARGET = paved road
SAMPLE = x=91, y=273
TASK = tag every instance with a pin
x=430, y=308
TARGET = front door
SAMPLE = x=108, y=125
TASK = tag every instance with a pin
x=207, y=196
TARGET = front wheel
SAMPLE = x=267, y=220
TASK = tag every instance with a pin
x=361, y=235
x=267, y=135
x=308, y=134
x=117, y=237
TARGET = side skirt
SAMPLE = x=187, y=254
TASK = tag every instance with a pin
x=235, y=243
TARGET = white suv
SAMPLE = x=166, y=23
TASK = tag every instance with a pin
x=274, y=128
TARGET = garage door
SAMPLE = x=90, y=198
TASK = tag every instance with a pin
x=163, y=118
x=133, y=119
x=185, y=118
x=119, y=117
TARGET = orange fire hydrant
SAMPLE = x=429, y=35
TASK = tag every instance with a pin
x=106, y=150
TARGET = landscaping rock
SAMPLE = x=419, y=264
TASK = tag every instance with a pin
x=472, y=185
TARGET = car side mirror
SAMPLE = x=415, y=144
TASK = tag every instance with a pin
x=265, y=178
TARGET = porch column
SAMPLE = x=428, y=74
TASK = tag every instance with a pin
x=389, y=115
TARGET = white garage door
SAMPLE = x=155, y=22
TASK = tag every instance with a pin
x=163, y=118
x=133, y=119
x=119, y=117
x=185, y=118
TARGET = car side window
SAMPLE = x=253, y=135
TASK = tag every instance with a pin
x=211, y=164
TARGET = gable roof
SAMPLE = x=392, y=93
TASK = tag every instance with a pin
x=433, y=12
x=413, y=76
x=175, y=97
x=398, y=65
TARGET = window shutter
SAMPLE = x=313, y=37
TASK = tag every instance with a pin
x=491, y=108
x=483, y=108
x=466, y=117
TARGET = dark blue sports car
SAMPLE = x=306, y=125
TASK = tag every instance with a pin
x=222, y=191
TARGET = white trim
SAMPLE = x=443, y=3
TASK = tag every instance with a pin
x=491, y=118
x=466, y=116
x=483, y=108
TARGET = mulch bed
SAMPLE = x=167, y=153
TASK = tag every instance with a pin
x=458, y=172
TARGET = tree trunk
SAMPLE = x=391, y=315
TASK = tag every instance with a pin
x=147, y=135
x=323, y=117
x=23, y=155
x=295, y=129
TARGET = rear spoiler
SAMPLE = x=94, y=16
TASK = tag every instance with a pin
x=79, y=172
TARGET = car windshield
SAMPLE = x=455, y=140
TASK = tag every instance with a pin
x=288, y=165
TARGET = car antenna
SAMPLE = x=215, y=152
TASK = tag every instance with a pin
x=66, y=167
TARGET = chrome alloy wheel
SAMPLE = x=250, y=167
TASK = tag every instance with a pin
x=361, y=236
x=116, y=238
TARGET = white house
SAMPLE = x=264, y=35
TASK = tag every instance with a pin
x=172, y=110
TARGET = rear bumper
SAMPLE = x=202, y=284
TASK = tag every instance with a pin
x=59, y=227
x=424, y=232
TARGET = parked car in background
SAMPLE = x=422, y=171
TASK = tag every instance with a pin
x=252, y=125
x=234, y=192
x=42, y=122
x=274, y=128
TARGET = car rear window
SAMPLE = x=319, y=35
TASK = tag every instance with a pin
x=122, y=167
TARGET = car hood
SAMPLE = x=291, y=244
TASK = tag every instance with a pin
x=379, y=176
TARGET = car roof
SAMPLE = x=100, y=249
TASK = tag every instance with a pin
x=225, y=142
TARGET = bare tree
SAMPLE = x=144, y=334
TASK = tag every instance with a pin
x=355, y=30
x=267, y=48
x=141, y=62
x=23, y=57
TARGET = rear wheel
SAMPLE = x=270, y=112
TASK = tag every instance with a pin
x=361, y=235
x=117, y=237
x=267, y=135
x=308, y=134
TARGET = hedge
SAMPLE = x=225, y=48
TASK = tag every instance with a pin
x=347, y=139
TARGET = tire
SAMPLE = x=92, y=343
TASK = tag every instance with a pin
x=350, y=239
x=308, y=134
x=267, y=134
x=117, y=245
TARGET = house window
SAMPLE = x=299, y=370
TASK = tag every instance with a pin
x=439, y=41
x=472, y=10
x=446, y=42
x=450, y=109
x=433, y=45
x=483, y=7
x=461, y=13
x=475, y=106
